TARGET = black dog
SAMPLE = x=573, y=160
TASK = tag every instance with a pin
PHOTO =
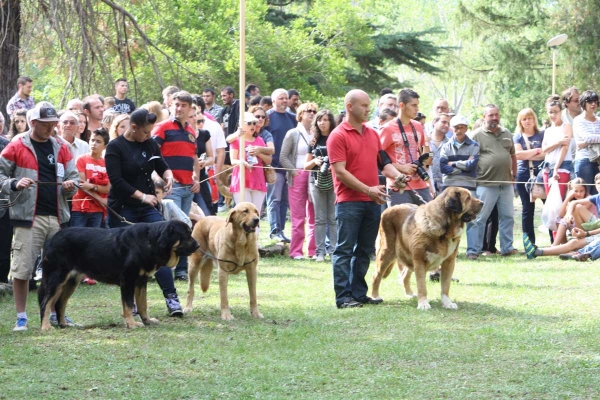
x=124, y=256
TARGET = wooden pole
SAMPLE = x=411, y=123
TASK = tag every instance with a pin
x=242, y=96
x=554, y=70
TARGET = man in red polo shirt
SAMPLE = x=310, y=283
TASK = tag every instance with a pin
x=355, y=154
x=177, y=142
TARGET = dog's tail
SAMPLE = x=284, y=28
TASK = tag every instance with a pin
x=205, y=274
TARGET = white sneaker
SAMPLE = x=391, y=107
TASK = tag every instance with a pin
x=222, y=209
x=298, y=258
x=320, y=258
x=314, y=258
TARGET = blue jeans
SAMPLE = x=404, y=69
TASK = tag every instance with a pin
x=587, y=170
x=491, y=195
x=528, y=206
x=593, y=249
x=357, y=226
x=182, y=196
x=86, y=220
x=277, y=204
x=148, y=214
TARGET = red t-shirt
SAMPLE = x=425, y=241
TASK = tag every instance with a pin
x=360, y=154
x=393, y=144
x=95, y=173
x=178, y=147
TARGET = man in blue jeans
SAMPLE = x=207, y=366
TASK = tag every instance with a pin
x=496, y=170
x=281, y=121
x=177, y=141
x=355, y=154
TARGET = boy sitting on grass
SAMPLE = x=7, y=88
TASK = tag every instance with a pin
x=169, y=209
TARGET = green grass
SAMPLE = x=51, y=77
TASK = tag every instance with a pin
x=524, y=329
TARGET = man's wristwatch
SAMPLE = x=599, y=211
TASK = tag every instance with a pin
x=96, y=188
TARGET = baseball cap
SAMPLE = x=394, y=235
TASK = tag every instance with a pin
x=459, y=120
x=249, y=117
x=44, y=112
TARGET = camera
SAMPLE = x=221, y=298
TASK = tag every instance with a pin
x=321, y=152
x=325, y=166
x=420, y=170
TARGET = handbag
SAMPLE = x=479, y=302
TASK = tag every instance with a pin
x=324, y=180
x=535, y=190
x=270, y=174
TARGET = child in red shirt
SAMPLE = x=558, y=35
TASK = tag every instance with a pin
x=85, y=211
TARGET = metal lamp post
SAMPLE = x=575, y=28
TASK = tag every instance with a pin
x=553, y=44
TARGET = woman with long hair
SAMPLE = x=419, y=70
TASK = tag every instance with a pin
x=293, y=157
x=320, y=183
x=18, y=124
x=528, y=149
x=558, y=147
x=119, y=126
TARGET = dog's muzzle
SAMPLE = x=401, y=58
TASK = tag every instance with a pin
x=188, y=248
x=251, y=227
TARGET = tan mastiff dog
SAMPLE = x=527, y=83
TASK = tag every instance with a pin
x=421, y=238
x=231, y=245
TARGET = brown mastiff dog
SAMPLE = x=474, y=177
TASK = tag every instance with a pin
x=231, y=244
x=422, y=238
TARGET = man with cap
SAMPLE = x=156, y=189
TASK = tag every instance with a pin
x=38, y=173
x=458, y=164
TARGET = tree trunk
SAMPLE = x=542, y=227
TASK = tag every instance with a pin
x=10, y=28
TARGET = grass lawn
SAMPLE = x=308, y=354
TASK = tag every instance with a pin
x=524, y=329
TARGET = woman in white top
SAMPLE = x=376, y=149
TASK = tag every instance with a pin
x=293, y=157
x=586, y=131
x=558, y=145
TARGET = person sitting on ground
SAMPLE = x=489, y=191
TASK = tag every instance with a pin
x=168, y=208
x=567, y=217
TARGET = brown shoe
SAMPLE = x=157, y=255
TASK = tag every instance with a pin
x=472, y=256
x=510, y=253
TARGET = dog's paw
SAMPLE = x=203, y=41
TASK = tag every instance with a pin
x=46, y=327
x=226, y=316
x=151, y=321
x=256, y=314
x=423, y=305
x=187, y=310
x=447, y=303
x=134, y=325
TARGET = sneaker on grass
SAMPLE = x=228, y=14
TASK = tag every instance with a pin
x=21, y=325
x=173, y=305
x=54, y=321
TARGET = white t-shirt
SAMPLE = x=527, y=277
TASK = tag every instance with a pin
x=585, y=131
x=552, y=135
x=302, y=146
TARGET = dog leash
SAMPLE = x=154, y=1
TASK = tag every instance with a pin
x=218, y=259
x=105, y=206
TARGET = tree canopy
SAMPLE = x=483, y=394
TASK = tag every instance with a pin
x=470, y=52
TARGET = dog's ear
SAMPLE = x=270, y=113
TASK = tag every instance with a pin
x=230, y=216
x=166, y=239
x=454, y=202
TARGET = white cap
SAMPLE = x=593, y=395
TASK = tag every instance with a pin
x=249, y=117
x=459, y=120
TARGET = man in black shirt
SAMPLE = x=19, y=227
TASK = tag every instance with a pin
x=38, y=173
x=123, y=105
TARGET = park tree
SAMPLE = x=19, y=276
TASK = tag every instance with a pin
x=10, y=33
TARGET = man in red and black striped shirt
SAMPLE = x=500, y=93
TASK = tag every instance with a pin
x=177, y=142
